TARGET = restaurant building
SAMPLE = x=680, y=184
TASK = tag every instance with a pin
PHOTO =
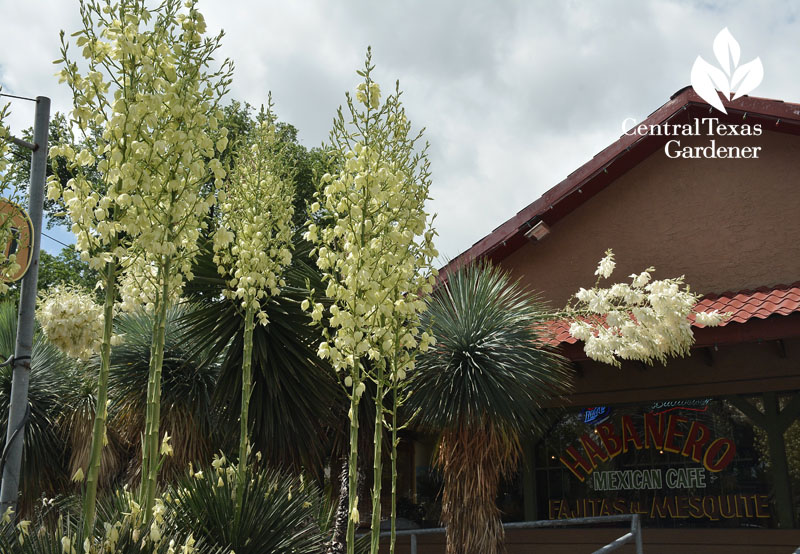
x=707, y=447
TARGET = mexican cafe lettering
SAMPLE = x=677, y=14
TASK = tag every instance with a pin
x=657, y=492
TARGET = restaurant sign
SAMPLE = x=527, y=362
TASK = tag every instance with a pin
x=665, y=432
x=668, y=461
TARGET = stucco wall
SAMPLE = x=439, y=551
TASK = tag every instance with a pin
x=724, y=224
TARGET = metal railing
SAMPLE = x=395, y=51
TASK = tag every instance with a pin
x=632, y=536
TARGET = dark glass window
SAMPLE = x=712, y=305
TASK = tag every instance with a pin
x=684, y=463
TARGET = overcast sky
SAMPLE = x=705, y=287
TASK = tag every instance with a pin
x=514, y=95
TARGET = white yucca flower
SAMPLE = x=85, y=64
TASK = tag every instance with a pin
x=606, y=266
x=72, y=321
x=645, y=320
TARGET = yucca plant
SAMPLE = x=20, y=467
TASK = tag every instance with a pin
x=482, y=387
x=75, y=427
x=294, y=393
x=44, y=467
x=187, y=388
x=278, y=511
x=56, y=528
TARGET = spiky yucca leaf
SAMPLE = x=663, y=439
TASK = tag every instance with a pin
x=482, y=386
x=186, y=389
x=278, y=511
x=295, y=395
x=44, y=469
x=118, y=529
x=490, y=364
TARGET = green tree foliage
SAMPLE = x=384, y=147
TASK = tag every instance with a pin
x=305, y=164
x=64, y=268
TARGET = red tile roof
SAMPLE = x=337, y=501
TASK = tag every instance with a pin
x=615, y=160
x=760, y=303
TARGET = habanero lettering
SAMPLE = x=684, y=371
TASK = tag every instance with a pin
x=668, y=432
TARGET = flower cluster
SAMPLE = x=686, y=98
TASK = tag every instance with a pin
x=116, y=534
x=72, y=321
x=252, y=245
x=140, y=286
x=645, y=320
x=376, y=253
x=151, y=144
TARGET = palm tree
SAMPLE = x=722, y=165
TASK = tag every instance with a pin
x=482, y=388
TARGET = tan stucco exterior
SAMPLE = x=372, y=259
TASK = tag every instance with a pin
x=724, y=224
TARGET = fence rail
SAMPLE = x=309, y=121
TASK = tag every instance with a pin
x=633, y=536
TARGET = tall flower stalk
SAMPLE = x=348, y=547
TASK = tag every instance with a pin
x=253, y=246
x=147, y=105
x=375, y=253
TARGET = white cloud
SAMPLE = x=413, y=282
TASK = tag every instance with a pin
x=514, y=95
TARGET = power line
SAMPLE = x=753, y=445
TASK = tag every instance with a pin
x=56, y=240
x=18, y=97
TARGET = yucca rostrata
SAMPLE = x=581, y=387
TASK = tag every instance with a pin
x=482, y=387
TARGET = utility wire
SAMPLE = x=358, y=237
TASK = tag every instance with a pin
x=56, y=240
x=18, y=97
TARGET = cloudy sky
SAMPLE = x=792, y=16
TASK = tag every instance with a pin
x=514, y=95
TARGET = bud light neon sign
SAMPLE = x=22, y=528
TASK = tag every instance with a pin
x=594, y=416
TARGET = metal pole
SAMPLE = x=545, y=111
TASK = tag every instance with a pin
x=636, y=526
x=27, y=304
x=413, y=544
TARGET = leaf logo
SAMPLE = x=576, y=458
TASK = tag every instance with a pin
x=730, y=77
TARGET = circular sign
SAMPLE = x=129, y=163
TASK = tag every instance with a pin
x=20, y=239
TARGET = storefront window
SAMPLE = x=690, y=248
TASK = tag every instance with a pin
x=682, y=463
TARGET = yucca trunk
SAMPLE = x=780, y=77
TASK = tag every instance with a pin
x=78, y=428
x=150, y=451
x=339, y=527
x=101, y=409
x=247, y=391
x=473, y=461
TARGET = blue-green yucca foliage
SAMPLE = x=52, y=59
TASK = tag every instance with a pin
x=51, y=395
x=279, y=512
x=482, y=388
